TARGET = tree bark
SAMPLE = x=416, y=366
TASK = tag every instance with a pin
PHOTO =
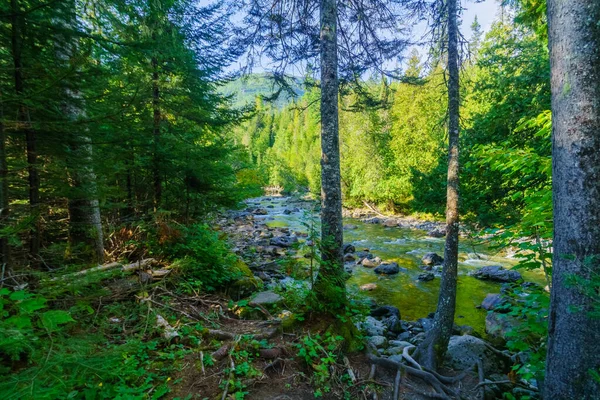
x=574, y=336
x=24, y=122
x=434, y=347
x=4, y=202
x=156, y=135
x=330, y=284
x=85, y=224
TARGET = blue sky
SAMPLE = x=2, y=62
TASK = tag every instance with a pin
x=485, y=11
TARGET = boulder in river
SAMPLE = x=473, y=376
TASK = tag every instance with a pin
x=386, y=268
x=371, y=263
x=497, y=273
x=260, y=211
x=432, y=259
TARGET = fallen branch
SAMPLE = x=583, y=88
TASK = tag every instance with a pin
x=373, y=209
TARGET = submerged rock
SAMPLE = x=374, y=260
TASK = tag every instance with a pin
x=432, y=259
x=497, y=273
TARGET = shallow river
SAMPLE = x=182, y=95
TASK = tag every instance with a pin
x=414, y=298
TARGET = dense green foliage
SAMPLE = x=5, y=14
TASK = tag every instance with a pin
x=393, y=133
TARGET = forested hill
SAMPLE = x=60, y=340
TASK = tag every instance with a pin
x=246, y=88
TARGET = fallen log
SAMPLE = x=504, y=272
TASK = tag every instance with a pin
x=106, y=267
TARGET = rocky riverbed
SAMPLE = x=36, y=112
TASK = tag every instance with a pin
x=396, y=262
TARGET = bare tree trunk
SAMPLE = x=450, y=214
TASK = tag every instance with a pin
x=574, y=336
x=84, y=210
x=434, y=347
x=85, y=224
x=330, y=285
x=156, y=135
x=25, y=124
x=4, y=202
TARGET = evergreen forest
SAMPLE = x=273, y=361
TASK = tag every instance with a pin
x=299, y=199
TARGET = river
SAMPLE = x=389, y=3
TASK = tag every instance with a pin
x=406, y=246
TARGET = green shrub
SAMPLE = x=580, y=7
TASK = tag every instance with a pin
x=203, y=258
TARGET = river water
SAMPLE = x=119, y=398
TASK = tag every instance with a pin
x=406, y=246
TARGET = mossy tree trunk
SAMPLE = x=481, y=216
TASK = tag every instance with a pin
x=574, y=335
x=330, y=284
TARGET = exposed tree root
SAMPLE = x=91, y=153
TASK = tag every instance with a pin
x=440, y=388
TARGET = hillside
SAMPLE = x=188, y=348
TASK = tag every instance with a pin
x=246, y=88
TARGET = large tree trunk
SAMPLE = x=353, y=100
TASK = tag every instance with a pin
x=85, y=225
x=156, y=135
x=25, y=124
x=4, y=203
x=434, y=348
x=574, y=336
x=84, y=211
x=330, y=285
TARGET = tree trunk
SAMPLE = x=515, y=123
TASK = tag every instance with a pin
x=330, y=284
x=85, y=224
x=84, y=211
x=4, y=202
x=156, y=135
x=25, y=123
x=574, y=336
x=434, y=347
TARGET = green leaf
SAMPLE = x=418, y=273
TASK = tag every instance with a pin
x=53, y=318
